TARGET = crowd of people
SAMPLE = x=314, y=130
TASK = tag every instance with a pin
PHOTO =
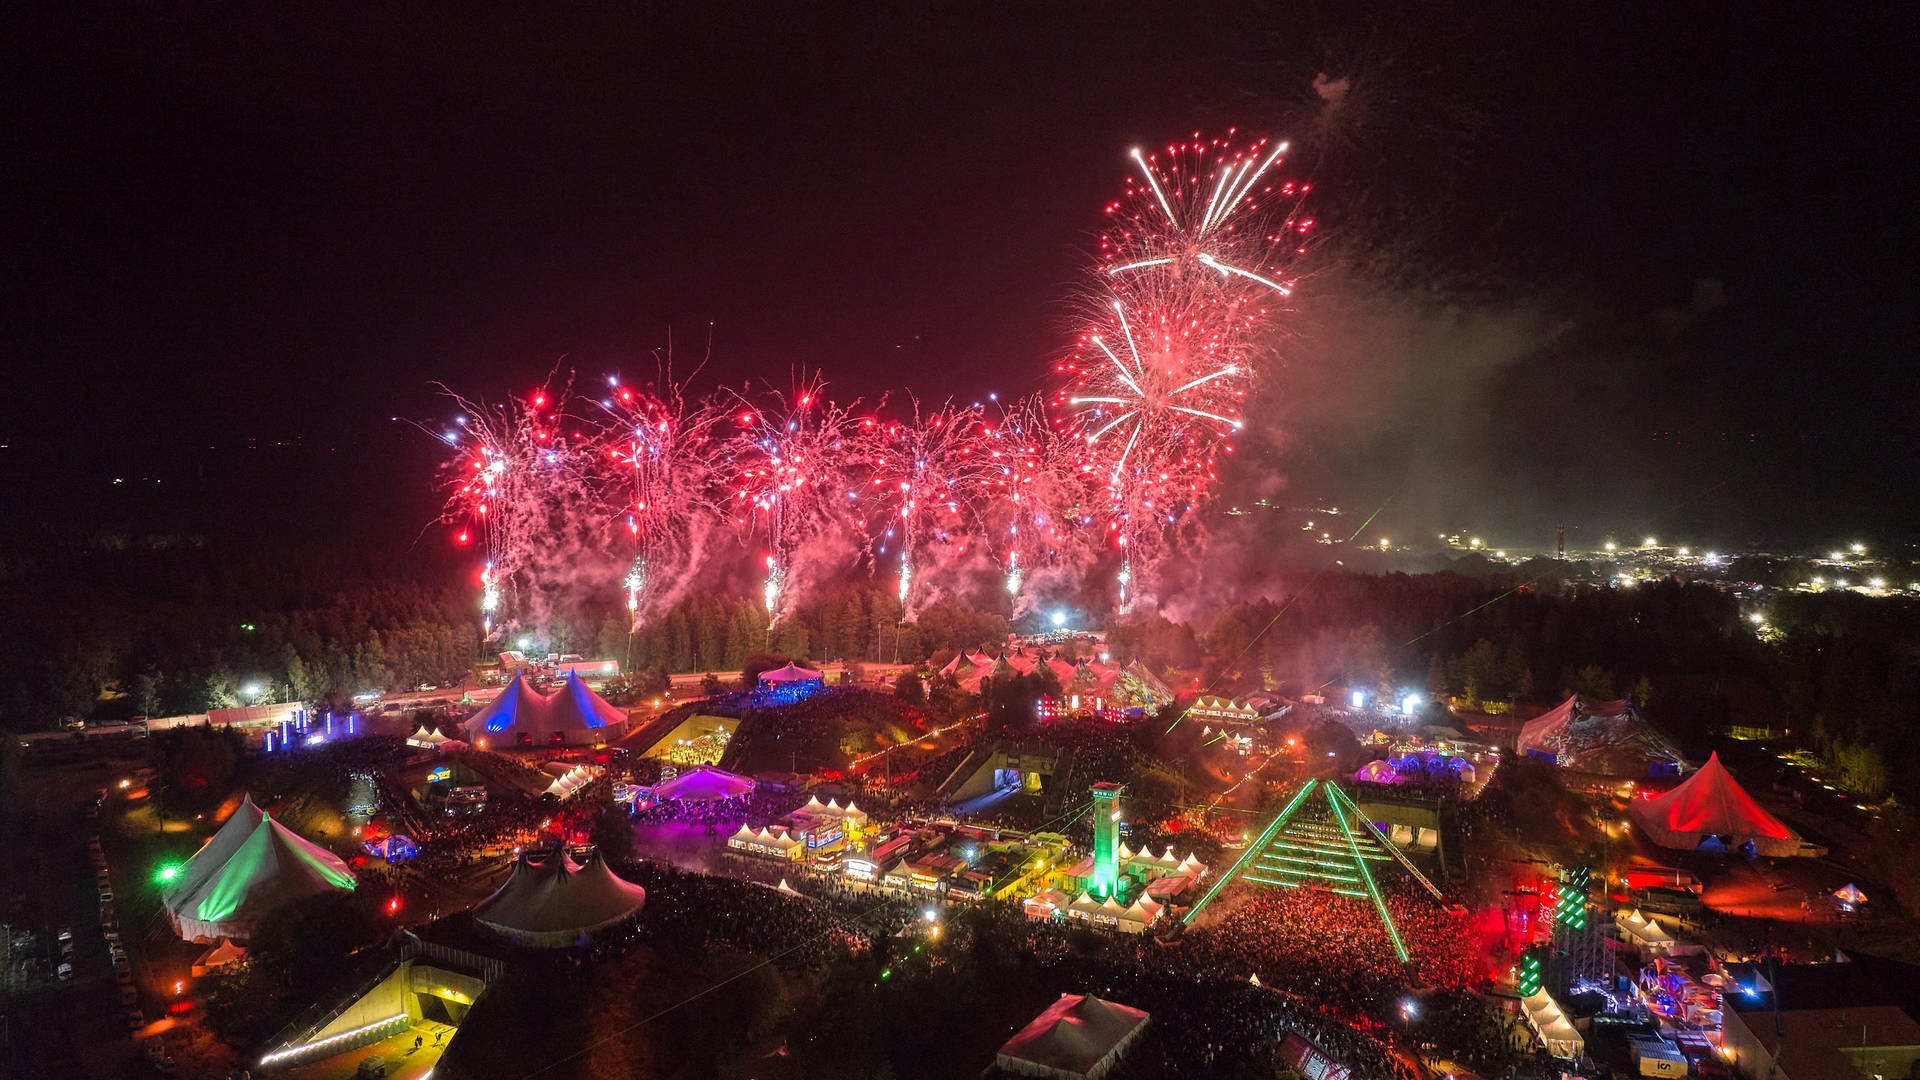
x=1332, y=948
x=723, y=817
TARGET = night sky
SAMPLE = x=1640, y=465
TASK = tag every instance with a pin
x=1608, y=265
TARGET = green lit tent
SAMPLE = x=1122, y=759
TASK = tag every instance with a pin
x=270, y=866
x=214, y=854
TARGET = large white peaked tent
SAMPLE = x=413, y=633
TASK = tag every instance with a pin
x=244, y=873
x=551, y=902
x=573, y=715
x=213, y=854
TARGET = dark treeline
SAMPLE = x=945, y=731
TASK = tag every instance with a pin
x=101, y=625
x=114, y=623
x=856, y=620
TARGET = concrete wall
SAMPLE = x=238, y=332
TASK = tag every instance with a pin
x=389, y=998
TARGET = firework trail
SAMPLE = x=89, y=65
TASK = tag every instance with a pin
x=926, y=475
x=1192, y=273
x=1041, y=494
x=514, y=478
x=657, y=470
x=790, y=461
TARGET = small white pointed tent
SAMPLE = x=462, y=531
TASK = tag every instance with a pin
x=1643, y=932
x=219, y=956
x=427, y=738
x=272, y=866
x=1078, y=1037
x=1711, y=803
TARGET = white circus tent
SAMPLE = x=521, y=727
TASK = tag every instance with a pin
x=224, y=893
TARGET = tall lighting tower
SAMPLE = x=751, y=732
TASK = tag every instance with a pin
x=1106, y=840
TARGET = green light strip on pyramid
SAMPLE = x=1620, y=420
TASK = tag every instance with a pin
x=1252, y=849
x=1380, y=839
x=1373, y=890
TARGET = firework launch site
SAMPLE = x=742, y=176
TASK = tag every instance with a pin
x=698, y=544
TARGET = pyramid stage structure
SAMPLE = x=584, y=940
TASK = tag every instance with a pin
x=1321, y=839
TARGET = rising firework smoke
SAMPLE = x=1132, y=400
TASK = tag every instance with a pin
x=513, y=476
x=1041, y=498
x=659, y=461
x=926, y=474
x=790, y=459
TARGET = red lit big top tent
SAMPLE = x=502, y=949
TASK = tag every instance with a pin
x=571, y=716
x=1711, y=803
x=270, y=866
x=1079, y=1036
x=1605, y=738
x=551, y=902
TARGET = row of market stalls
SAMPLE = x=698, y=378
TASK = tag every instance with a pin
x=1551, y=1026
x=1133, y=918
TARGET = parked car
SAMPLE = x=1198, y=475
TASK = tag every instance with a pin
x=129, y=996
x=65, y=971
